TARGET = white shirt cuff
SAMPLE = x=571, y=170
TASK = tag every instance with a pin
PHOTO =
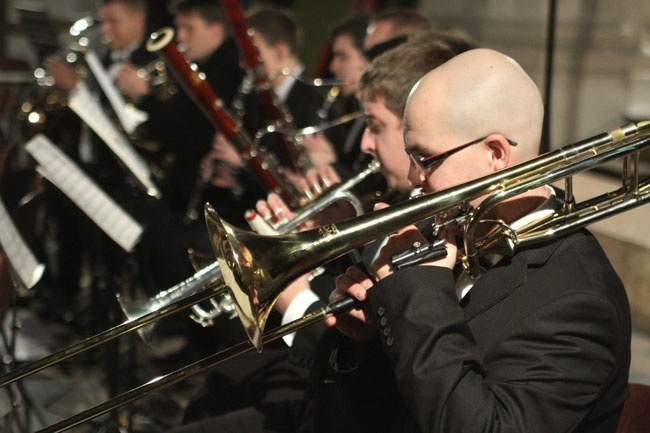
x=296, y=310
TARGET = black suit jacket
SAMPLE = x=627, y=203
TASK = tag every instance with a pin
x=540, y=344
x=182, y=128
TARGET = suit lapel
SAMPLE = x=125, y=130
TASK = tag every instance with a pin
x=503, y=278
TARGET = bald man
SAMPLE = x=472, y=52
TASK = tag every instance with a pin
x=538, y=342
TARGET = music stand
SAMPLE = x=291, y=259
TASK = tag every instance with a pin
x=24, y=272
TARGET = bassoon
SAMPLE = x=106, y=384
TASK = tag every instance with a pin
x=274, y=110
x=262, y=164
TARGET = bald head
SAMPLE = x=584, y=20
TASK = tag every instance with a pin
x=478, y=93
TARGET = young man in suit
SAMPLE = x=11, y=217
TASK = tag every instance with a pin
x=384, y=87
x=277, y=36
x=538, y=342
x=123, y=25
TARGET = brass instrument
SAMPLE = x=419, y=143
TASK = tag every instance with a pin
x=341, y=191
x=257, y=267
x=160, y=81
x=211, y=273
x=224, y=303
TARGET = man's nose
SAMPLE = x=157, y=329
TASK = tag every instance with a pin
x=368, y=143
x=415, y=176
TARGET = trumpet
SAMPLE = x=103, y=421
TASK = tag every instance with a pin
x=224, y=304
x=157, y=75
x=255, y=268
x=342, y=191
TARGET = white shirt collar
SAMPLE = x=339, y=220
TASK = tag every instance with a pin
x=282, y=91
x=124, y=54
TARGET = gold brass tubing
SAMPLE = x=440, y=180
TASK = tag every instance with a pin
x=196, y=367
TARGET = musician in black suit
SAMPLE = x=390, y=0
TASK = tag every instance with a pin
x=538, y=342
x=277, y=36
x=184, y=134
x=178, y=123
x=123, y=25
x=340, y=145
x=124, y=28
x=384, y=87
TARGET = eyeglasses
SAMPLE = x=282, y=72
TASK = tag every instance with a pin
x=426, y=163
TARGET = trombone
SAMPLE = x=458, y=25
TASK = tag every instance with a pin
x=212, y=272
x=256, y=267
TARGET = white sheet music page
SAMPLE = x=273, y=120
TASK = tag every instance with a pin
x=28, y=268
x=129, y=116
x=69, y=178
x=88, y=109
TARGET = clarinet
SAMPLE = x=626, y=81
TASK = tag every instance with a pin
x=274, y=110
x=262, y=164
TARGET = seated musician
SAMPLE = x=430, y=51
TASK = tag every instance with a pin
x=538, y=342
x=178, y=123
x=384, y=87
x=340, y=145
x=277, y=36
x=123, y=27
x=185, y=135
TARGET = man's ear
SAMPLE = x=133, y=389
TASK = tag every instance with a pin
x=499, y=151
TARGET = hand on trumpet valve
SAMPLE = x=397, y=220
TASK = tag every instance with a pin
x=322, y=178
x=314, y=182
x=320, y=150
x=276, y=212
x=131, y=83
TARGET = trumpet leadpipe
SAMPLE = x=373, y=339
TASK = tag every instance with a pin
x=341, y=191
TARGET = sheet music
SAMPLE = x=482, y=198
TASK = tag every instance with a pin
x=129, y=116
x=82, y=102
x=29, y=269
x=62, y=172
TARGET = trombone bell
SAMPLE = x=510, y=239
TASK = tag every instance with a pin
x=257, y=268
x=248, y=275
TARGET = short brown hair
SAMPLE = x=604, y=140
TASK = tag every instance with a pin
x=353, y=26
x=133, y=5
x=210, y=10
x=276, y=26
x=392, y=74
x=404, y=21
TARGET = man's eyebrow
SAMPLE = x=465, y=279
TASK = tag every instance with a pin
x=371, y=118
x=416, y=148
